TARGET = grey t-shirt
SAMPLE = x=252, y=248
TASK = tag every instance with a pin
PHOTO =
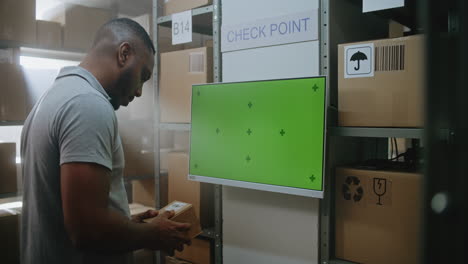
x=73, y=121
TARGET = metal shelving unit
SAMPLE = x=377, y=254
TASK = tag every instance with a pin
x=205, y=20
x=335, y=15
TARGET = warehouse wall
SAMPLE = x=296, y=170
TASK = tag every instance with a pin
x=263, y=227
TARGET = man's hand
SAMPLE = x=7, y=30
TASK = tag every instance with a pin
x=139, y=218
x=169, y=235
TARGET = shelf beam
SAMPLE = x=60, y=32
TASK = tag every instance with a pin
x=11, y=123
x=376, y=132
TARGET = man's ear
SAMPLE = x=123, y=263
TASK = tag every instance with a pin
x=124, y=53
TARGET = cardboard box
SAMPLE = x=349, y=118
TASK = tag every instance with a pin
x=8, y=182
x=144, y=256
x=179, y=71
x=136, y=208
x=18, y=21
x=13, y=98
x=49, y=34
x=176, y=6
x=200, y=195
x=393, y=96
x=10, y=232
x=138, y=144
x=184, y=213
x=198, y=253
x=143, y=191
x=80, y=25
x=378, y=216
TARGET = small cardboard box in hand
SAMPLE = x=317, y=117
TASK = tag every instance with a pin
x=184, y=213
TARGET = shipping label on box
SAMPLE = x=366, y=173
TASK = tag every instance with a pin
x=184, y=213
x=366, y=192
x=359, y=60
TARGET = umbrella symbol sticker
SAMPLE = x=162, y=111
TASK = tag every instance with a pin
x=358, y=56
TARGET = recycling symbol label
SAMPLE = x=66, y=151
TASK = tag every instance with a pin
x=359, y=60
x=352, y=189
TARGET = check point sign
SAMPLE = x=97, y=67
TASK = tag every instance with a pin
x=270, y=31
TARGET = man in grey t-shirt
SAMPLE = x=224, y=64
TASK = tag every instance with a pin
x=75, y=208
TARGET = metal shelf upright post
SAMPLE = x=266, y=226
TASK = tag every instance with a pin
x=214, y=28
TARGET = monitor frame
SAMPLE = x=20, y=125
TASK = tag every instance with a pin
x=270, y=187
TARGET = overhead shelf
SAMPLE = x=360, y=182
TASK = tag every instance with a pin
x=339, y=261
x=11, y=123
x=139, y=177
x=176, y=126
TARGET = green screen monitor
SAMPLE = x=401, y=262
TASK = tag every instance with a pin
x=265, y=135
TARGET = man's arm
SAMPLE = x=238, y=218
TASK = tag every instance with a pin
x=91, y=225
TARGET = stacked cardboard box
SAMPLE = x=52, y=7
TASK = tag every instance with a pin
x=180, y=188
x=378, y=216
x=198, y=253
x=381, y=83
x=8, y=182
x=13, y=99
x=176, y=6
x=18, y=21
x=143, y=191
x=10, y=232
x=179, y=71
x=49, y=34
x=80, y=24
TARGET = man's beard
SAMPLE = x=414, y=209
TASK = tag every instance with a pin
x=115, y=103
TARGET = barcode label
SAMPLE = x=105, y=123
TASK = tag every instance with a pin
x=390, y=58
x=197, y=62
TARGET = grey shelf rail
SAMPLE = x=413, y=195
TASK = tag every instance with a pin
x=175, y=126
x=376, y=132
x=11, y=123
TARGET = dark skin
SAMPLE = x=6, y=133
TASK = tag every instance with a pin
x=121, y=67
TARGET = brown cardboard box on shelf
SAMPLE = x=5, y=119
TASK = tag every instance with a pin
x=198, y=253
x=8, y=182
x=179, y=71
x=143, y=256
x=138, y=145
x=393, y=96
x=80, y=24
x=176, y=6
x=172, y=260
x=136, y=208
x=378, y=216
x=10, y=232
x=143, y=191
x=13, y=98
x=18, y=21
x=180, y=188
x=184, y=213
x=49, y=34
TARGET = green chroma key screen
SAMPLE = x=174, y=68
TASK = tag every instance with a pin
x=265, y=135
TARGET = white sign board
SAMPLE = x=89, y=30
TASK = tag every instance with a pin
x=374, y=5
x=293, y=28
x=182, y=27
x=359, y=60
